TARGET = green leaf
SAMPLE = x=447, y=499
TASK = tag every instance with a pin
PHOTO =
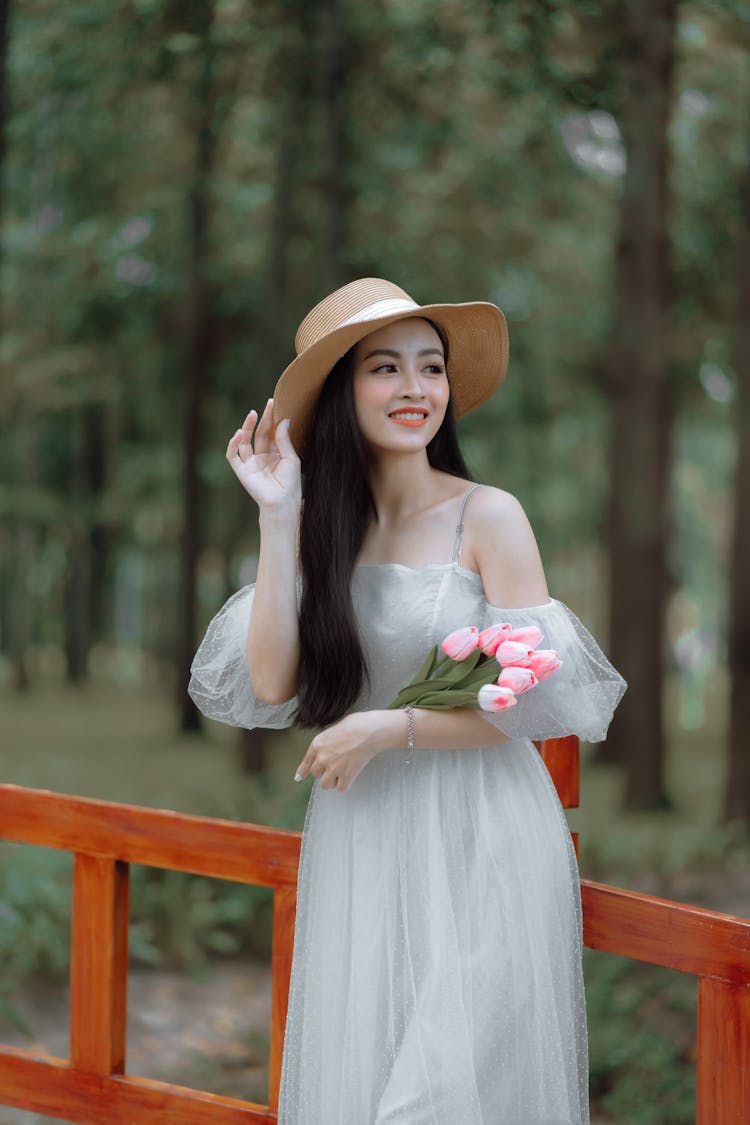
x=443, y=666
x=443, y=700
x=462, y=668
x=413, y=691
x=485, y=673
x=428, y=666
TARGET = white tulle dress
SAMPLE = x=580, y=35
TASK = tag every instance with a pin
x=437, y=975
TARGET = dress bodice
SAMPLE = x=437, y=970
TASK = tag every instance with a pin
x=403, y=611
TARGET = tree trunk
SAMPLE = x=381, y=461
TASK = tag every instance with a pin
x=737, y=798
x=78, y=578
x=197, y=366
x=334, y=75
x=15, y=608
x=104, y=438
x=24, y=549
x=88, y=540
x=4, y=19
x=293, y=90
x=641, y=401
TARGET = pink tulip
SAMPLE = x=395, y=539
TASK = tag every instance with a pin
x=543, y=662
x=527, y=635
x=461, y=643
x=517, y=679
x=490, y=638
x=493, y=697
x=512, y=652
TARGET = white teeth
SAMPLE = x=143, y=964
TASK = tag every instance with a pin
x=409, y=415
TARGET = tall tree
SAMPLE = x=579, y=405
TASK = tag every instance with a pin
x=641, y=419
x=199, y=343
x=289, y=85
x=334, y=68
x=737, y=798
x=4, y=16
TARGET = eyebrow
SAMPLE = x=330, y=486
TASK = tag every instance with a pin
x=397, y=355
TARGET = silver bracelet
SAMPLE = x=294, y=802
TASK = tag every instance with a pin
x=410, y=740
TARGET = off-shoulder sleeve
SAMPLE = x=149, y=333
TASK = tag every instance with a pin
x=220, y=684
x=579, y=698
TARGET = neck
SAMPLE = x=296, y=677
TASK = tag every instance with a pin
x=402, y=485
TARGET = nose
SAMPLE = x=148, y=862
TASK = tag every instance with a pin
x=411, y=383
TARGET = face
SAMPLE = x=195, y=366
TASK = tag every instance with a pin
x=400, y=385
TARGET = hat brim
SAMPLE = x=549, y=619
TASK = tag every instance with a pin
x=477, y=336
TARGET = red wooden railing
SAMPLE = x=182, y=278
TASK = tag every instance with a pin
x=91, y=1087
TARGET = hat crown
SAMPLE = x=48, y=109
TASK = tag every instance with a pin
x=360, y=300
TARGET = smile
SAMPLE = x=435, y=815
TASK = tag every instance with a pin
x=409, y=417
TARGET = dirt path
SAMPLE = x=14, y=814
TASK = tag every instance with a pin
x=211, y=1033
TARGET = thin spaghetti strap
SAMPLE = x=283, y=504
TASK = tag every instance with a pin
x=460, y=525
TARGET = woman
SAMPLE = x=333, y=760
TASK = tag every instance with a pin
x=436, y=976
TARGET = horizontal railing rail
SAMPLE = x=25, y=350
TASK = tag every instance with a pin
x=105, y=837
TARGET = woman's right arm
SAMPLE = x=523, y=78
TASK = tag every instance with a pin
x=269, y=470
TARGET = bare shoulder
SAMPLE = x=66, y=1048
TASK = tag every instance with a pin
x=499, y=542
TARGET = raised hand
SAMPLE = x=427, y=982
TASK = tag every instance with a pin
x=266, y=466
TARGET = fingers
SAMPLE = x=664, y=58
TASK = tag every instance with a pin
x=283, y=441
x=233, y=448
x=246, y=441
x=268, y=437
x=312, y=766
x=264, y=433
x=240, y=445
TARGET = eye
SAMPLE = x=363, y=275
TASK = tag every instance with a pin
x=385, y=365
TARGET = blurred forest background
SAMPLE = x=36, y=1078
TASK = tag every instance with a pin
x=179, y=183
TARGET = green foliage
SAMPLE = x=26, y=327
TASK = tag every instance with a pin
x=177, y=920
x=469, y=187
x=35, y=911
x=181, y=920
x=642, y=1027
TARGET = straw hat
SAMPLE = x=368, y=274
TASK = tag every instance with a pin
x=477, y=347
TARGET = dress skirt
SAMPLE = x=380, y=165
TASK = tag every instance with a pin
x=437, y=968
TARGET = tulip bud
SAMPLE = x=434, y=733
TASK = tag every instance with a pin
x=512, y=652
x=528, y=635
x=461, y=643
x=490, y=638
x=517, y=679
x=493, y=697
x=543, y=662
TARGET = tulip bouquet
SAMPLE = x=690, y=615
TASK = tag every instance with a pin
x=466, y=675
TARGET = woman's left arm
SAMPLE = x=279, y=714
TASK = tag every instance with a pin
x=340, y=752
x=500, y=541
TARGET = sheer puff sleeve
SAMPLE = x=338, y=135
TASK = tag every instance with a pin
x=579, y=698
x=220, y=684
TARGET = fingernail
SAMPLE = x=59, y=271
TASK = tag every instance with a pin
x=298, y=777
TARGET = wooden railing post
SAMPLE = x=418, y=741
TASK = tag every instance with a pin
x=98, y=965
x=284, y=913
x=561, y=756
x=723, y=1064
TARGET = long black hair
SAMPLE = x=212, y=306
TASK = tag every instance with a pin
x=337, y=505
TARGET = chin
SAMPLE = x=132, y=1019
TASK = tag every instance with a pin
x=410, y=443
